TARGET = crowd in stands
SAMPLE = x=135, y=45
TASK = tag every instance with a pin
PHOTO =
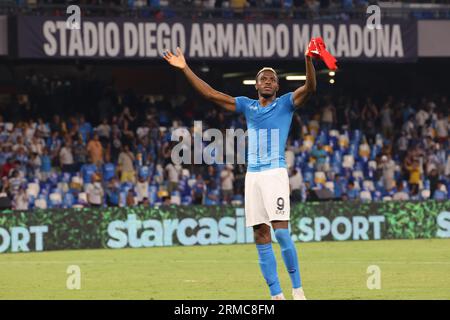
x=247, y=9
x=357, y=149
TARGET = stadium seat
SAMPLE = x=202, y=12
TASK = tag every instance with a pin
x=63, y=186
x=368, y=185
x=55, y=200
x=185, y=173
x=358, y=175
x=40, y=203
x=334, y=133
x=308, y=177
x=175, y=198
x=33, y=190
x=425, y=194
x=76, y=181
x=191, y=182
x=373, y=164
x=82, y=198
x=320, y=177
x=349, y=161
x=68, y=200
x=307, y=145
x=330, y=186
x=86, y=186
x=365, y=196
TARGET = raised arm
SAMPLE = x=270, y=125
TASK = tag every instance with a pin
x=302, y=93
x=219, y=98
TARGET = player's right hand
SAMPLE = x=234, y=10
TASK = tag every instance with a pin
x=177, y=61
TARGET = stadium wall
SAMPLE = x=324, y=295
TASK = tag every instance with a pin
x=63, y=229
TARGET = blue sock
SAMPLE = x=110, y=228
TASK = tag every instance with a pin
x=289, y=253
x=268, y=266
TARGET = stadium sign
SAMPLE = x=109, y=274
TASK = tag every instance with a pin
x=443, y=221
x=135, y=233
x=63, y=229
x=122, y=38
x=19, y=238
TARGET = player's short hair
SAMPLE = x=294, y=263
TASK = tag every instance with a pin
x=266, y=69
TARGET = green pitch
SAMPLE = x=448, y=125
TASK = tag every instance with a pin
x=410, y=269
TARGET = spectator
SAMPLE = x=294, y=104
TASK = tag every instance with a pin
x=386, y=120
x=130, y=200
x=95, y=150
x=400, y=195
x=141, y=189
x=19, y=145
x=328, y=116
x=321, y=156
x=440, y=193
x=21, y=199
x=113, y=193
x=289, y=156
x=104, y=132
x=352, y=192
x=421, y=118
x=85, y=129
x=388, y=167
x=126, y=167
x=369, y=115
x=442, y=128
x=109, y=171
x=35, y=164
x=145, y=202
x=173, y=177
x=37, y=144
x=66, y=158
x=15, y=181
x=402, y=145
x=46, y=165
x=80, y=154
x=414, y=177
x=433, y=177
x=227, y=179
x=212, y=194
x=295, y=184
x=95, y=191
x=198, y=190
x=87, y=172
x=5, y=197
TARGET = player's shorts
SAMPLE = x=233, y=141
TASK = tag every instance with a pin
x=267, y=197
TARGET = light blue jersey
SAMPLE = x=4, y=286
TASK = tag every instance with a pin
x=268, y=129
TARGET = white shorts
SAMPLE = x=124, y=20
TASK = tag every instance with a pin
x=267, y=197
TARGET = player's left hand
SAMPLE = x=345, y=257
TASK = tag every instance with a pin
x=313, y=49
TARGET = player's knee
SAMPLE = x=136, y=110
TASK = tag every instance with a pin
x=261, y=234
x=283, y=237
x=261, y=238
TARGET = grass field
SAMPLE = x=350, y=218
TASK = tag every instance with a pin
x=410, y=269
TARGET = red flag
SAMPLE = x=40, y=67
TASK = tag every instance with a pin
x=317, y=49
